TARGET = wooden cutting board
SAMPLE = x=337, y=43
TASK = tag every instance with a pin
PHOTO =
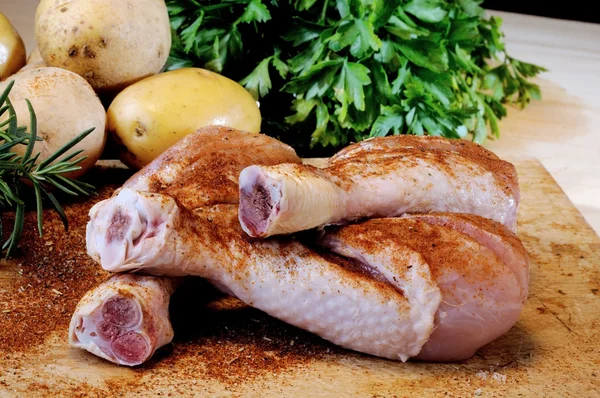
x=225, y=349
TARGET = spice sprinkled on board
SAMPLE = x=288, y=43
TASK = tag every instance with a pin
x=45, y=281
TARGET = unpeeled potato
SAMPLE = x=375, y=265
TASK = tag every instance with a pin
x=111, y=43
x=12, y=49
x=65, y=105
x=151, y=115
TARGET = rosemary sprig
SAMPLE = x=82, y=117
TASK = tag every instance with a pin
x=20, y=175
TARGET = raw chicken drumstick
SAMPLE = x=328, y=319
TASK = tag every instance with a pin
x=200, y=170
x=336, y=300
x=381, y=177
x=379, y=296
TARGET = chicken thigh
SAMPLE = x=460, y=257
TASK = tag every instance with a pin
x=482, y=293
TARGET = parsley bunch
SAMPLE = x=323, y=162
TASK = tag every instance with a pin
x=327, y=72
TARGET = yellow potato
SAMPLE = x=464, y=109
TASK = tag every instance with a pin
x=12, y=49
x=65, y=106
x=151, y=115
x=111, y=43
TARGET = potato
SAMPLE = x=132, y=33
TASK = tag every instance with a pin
x=34, y=61
x=65, y=105
x=111, y=43
x=151, y=115
x=12, y=49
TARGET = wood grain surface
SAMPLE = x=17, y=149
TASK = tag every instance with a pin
x=552, y=351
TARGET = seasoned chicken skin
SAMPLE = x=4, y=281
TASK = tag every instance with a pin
x=381, y=177
x=393, y=272
x=493, y=235
x=431, y=286
x=202, y=168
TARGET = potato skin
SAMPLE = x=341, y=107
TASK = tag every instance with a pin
x=12, y=49
x=65, y=105
x=151, y=115
x=111, y=43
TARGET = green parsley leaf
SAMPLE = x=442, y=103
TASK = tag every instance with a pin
x=399, y=28
x=427, y=10
x=425, y=53
x=366, y=40
x=349, y=88
x=281, y=67
x=382, y=11
x=391, y=118
x=188, y=35
x=343, y=8
x=302, y=5
x=302, y=62
x=255, y=11
x=472, y=8
x=303, y=31
x=316, y=81
x=303, y=108
x=258, y=83
x=465, y=32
